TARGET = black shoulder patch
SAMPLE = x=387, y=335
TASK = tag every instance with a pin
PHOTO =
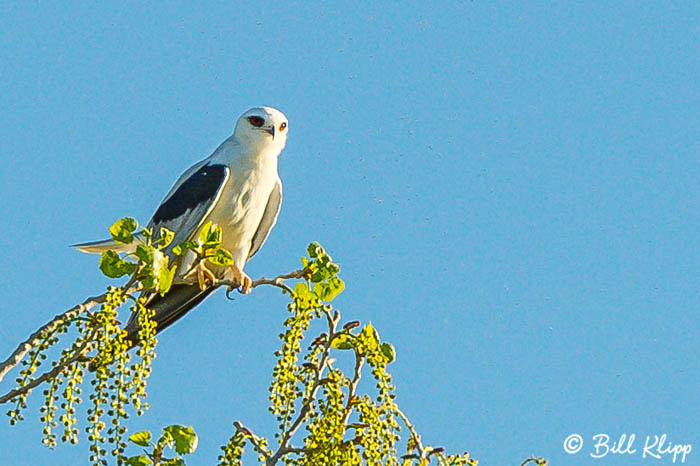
x=200, y=187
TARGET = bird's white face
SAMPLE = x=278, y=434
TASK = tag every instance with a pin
x=263, y=127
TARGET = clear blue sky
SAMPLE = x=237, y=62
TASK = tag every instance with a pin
x=512, y=191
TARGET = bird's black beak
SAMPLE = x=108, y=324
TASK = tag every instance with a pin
x=270, y=130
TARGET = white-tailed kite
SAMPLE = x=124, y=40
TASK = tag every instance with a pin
x=238, y=189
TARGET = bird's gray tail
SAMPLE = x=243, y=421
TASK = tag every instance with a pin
x=98, y=247
x=176, y=303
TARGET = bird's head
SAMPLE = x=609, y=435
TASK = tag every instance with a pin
x=263, y=126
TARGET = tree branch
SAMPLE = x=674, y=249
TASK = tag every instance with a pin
x=82, y=349
x=419, y=445
x=537, y=460
x=359, y=361
x=36, y=337
x=252, y=438
x=277, y=281
x=71, y=314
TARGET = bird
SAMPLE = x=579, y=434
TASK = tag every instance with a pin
x=237, y=188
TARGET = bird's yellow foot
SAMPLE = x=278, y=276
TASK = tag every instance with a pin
x=205, y=277
x=240, y=277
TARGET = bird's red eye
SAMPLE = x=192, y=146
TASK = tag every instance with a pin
x=256, y=121
x=283, y=126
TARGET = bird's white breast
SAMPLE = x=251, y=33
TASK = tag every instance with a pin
x=243, y=200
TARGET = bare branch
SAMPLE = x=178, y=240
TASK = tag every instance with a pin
x=537, y=460
x=299, y=451
x=419, y=445
x=359, y=360
x=277, y=281
x=252, y=438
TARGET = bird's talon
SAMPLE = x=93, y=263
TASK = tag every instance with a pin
x=245, y=284
x=205, y=277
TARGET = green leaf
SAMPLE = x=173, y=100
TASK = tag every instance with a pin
x=328, y=290
x=185, y=439
x=321, y=289
x=157, y=274
x=141, y=460
x=334, y=269
x=146, y=277
x=165, y=279
x=302, y=291
x=204, y=232
x=221, y=257
x=210, y=236
x=155, y=269
x=114, y=266
x=323, y=269
x=142, y=438
x=314, y=250
x=182, y=248
x=174, y=462
x=145, y=253
x=166, y=439
x=344, y=341
x=166, y=237
x=388, y=352
x=122, y=230
x=370, y=332
x=147, y=234
x=320, y=274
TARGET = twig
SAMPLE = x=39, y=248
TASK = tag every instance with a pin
x=252, y=438
x=419, y=445
x=278, y=281
x=299, y=451
x=359, y=360
x=536, y=460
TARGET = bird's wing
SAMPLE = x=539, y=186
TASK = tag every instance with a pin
x=269, y=218
x=190, y=200
x=183, y=209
